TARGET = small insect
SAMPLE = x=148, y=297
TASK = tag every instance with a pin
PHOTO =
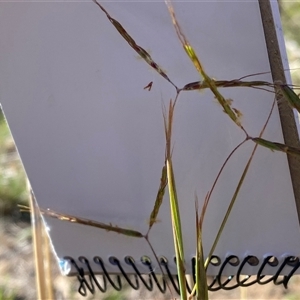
x=148, y=86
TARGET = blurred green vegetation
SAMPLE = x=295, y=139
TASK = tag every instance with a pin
x=5, y=296
x=290, y=17
x=12, y=176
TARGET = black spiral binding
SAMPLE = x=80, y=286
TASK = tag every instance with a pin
x=89, y=281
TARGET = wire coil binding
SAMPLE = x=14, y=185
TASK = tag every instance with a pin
x=89, y=281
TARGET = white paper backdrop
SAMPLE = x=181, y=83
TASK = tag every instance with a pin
x=92, y=140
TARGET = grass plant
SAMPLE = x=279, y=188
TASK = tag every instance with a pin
x=168, y=178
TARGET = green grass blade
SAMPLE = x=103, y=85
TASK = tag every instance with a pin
x=177, y=233
x=201, y=280
x=174, y=207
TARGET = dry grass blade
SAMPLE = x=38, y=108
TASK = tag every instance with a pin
x=203, y=211
x=159, y=197
x=141, y=52
x=192, y=55
x=24, y=208
x=276, y=146
x=168, y=122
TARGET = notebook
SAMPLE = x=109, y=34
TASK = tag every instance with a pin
x=86, y=113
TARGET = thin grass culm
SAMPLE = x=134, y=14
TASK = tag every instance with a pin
x=236, y=193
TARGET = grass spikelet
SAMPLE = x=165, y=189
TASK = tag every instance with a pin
x=192, y=55
x=290, y=96
x=273, y=146
x=199, y=85
x=159, y=197
x=87, y=222
x=140, y=51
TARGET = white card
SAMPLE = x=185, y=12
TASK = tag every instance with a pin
x=91, y=137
